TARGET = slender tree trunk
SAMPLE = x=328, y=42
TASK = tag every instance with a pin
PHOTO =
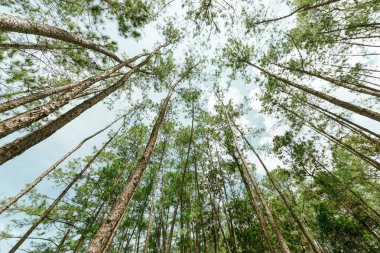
x=255, y=204
x=281, y=240
x=105, y=233
x=201, y=214
x=152, y=204
x=346, y=105
x=355, y=88
x=14, y=24
x=63, y=193
x=180, y=193
x=306, y=233
x=88, y=226
x=352, y=150
x=62, y=242
x=340, y=120
x=18, y=146
x=215, y=212
x=51, y=168
x=11, y=104
x=27, y=118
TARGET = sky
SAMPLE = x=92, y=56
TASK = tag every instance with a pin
x=23, y=169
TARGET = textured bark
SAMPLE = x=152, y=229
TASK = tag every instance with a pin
x=105, y=232
x=27, y=118
x=18, y=146
x=303, y=229
x=15, y=24
x=51, y=168
x=40, y=47
x=255, y=204
x=61, y=195
x=152, y=204
x=88, y=226
x=352, y=150
x=361, y=89
x=280, y=238
x=346, y=105
x=180, y=193
x=6, y=106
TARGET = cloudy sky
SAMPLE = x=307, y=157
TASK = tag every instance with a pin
x=23, y=169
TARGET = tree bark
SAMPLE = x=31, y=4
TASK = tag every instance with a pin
x=346, y=105
x=61, y=195
x=303, y=229
x=27, y=118
x=361, y=89
x=15, y=24
x=11, y=104
x=18, y=146
x=281, y=240
x=51, y=168
x=105, y=232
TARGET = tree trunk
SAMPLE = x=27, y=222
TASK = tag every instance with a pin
x=152, y=204
x=346, y=105
x=361, y=89
x=300, y=9
x=27, y=118
x=62, y=242
x=18, y=146
x=63, y=193
x=51, y=168
x=281, y=240
x=306, y=233
x=105, y=232
x=15, y=24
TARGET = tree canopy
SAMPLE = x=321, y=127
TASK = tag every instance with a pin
x=190, y=126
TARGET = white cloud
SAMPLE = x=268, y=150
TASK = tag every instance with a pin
x=254, y=98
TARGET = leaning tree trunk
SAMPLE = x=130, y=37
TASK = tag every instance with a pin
x=152, y=204
x=61, y=195
x=281, y=240
x=11, y=104
x=27, y=118
x=303, y=229
x=305, y=7
x=346, y=105
x=10, y=23
x=51, y=168
x=18, y=146
x=255, y=204
x=106, y=231
x=361, y=89
x=180, y=193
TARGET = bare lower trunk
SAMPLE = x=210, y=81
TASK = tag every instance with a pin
x=50, y=169
x=15, y=24
x=281, y=240
x=106, y=231
x=61, y=195
x=303, y=229
x=27, y=118
x=18, y=146
x=346, y=105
